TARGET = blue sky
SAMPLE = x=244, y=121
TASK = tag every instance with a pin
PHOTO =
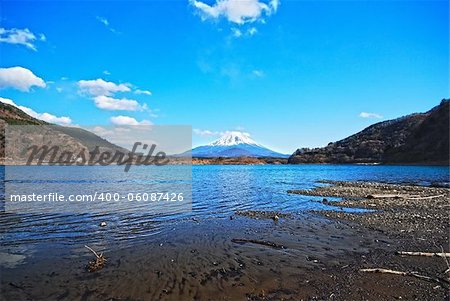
x=291, y=73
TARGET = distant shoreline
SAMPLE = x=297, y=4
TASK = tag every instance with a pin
x=261, y=161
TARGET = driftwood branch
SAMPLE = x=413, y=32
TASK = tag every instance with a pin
x=426, y=254
x=441, y=254
x=90, y=249
x=259, y=242
x=403, y=196
x=425, y=197
x=446, y=261
x=385, y=196
x=412, y=274
x=99, y=262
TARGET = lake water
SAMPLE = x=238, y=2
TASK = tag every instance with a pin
x=185, y=255
x=217, y=192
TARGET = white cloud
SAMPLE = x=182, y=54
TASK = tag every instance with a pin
x=126, y=120
x=110, y=103
x=258, y=73
x=252, y=31
x=99, y=87
x=209, y=133
x=102, y=92
x=236, y=11
x=146, y=92
x=19, y=78
x=63, y=120
x=127, y=130
x=8, y=101
x=370, y=115
x=206, y=133
x=105, y=22
x=106, y=72
x=113, y=133
x=274, y=4
x=102, y=20
x=20, y=37
x=101, y=131
x=242, y=32
x=237, y=33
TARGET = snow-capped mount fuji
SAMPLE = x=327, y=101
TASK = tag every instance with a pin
x=234, y=138
x=234, y=144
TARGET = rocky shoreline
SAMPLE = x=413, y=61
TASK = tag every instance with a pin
x=405, y=211
x=413, y=218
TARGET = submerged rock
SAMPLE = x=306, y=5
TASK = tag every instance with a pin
x=275, y=215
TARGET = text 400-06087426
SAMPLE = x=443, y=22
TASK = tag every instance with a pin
x=101, y=197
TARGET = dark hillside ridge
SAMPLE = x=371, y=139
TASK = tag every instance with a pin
x=15, y=116
x=421, y=138
x=72, y=138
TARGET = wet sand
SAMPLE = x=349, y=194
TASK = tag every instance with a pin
x=198, y=260
x=413, y=218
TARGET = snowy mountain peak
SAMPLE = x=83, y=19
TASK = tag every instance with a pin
x=233, y=145
x=234, y=138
